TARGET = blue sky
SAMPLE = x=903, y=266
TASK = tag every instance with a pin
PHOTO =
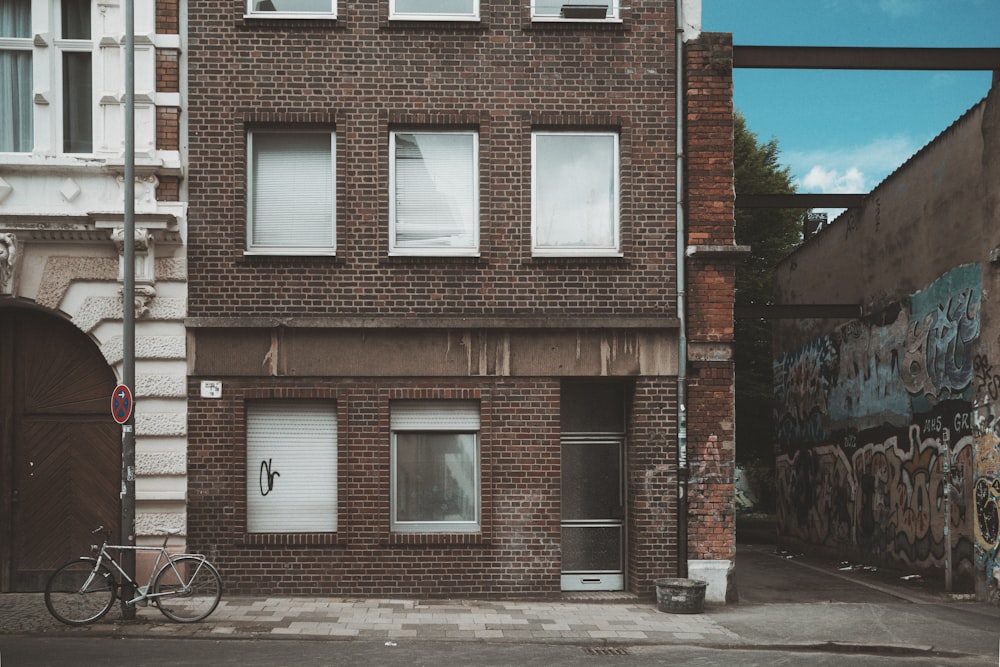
x=845, y=131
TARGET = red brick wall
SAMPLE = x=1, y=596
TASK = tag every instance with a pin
x=363, y=76
x=504, y=76
x=652, y=483
x=168, y=81
x=167, y=17
x=711, y=294
x=517, y=552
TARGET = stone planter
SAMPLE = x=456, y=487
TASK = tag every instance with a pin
x=680, y=596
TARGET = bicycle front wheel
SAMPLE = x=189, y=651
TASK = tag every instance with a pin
x=189, y=590
x=80, y=592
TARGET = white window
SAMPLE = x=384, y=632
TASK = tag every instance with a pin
x=291, y=467
x=292, y=9
x=434, y=200
x=435, y=466
x=46, y=70
x=434, y=10
x=574, y=10
x=291, y=193
x=574, y=194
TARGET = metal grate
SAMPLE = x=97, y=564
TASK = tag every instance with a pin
x=606, y=650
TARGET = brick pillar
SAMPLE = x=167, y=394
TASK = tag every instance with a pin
x=711, y=280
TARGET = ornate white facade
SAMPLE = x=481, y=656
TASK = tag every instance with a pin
x=62, y=218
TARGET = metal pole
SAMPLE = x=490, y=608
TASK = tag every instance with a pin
x=128, y=313
x=682, y=352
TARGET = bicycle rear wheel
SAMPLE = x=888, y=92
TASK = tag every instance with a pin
x=193, y=601
x=80, y=592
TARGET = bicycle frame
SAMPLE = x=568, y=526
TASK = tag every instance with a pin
x=163, y=559
x=185, y=587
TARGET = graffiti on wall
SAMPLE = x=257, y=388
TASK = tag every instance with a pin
x=880, y=493
x=944, y=326
x=987, y=484
x=878, y=433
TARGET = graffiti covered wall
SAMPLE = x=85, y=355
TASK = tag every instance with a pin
x=986, y=490
x=876, y=427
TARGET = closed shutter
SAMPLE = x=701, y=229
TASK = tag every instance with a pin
x=291, y=467
x=293, y=186
x=435, y=416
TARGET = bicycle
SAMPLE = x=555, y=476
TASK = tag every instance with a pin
x=186, y=589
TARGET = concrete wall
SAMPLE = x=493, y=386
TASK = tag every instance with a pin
x=887, y=425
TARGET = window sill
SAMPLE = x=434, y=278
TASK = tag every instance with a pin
x=297, y=539
x=434, y=259
x=288, y=254
x=544, y=22
x=614, y=256
x=266, y=16
x=433, y=19
x=312, y=21
x=442, y=539
x=436, y=23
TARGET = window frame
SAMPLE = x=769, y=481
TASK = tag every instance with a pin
x=63, y=48
x=613, y=14
x=613, y=249
x=300, y=249
x=48, y=49
x=254, y=13
x=23, y=45
x=395, y=15
x=427, y=421
x=396, y=249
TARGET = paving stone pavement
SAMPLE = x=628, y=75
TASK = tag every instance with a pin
x=633, y=621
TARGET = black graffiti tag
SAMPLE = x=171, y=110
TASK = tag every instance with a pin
x=989, y=382
x=269, y=475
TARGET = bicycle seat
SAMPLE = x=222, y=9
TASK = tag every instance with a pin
x=169, y=531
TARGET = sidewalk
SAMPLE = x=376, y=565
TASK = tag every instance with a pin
x=784, y=602
x=388, y=620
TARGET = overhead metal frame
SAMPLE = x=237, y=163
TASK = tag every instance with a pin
x=800, y=201
x=850, y=58
x=844, y=58
x=865, y=58
x=804, y=311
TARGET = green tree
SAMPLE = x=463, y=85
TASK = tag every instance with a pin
x=771, y=234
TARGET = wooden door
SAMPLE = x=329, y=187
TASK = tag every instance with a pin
x=58, y=443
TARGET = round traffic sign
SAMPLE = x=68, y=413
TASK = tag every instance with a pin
x=121, y=404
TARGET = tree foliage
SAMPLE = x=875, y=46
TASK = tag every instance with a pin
x=771, y=234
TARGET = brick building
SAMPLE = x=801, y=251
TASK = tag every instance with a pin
x=476, y=386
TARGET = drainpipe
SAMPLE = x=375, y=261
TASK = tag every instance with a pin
x=681, y=253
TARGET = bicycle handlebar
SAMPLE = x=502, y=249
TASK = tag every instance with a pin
x=102, y=531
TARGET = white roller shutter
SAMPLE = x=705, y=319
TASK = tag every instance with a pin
x=435, y=416
x=291, y=467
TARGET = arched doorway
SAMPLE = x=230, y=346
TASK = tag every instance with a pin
x=60, y=450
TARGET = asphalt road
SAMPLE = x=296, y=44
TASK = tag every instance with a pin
x=38, y=651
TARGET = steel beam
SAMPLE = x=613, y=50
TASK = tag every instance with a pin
x=800, y=201
x=883, y=58
x=805, y=311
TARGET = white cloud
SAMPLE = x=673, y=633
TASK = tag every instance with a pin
x=851, y=169
x=820, y=179
x=847, y=169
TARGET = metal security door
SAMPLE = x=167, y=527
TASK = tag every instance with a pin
x=593, y=514
x=60, y=449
